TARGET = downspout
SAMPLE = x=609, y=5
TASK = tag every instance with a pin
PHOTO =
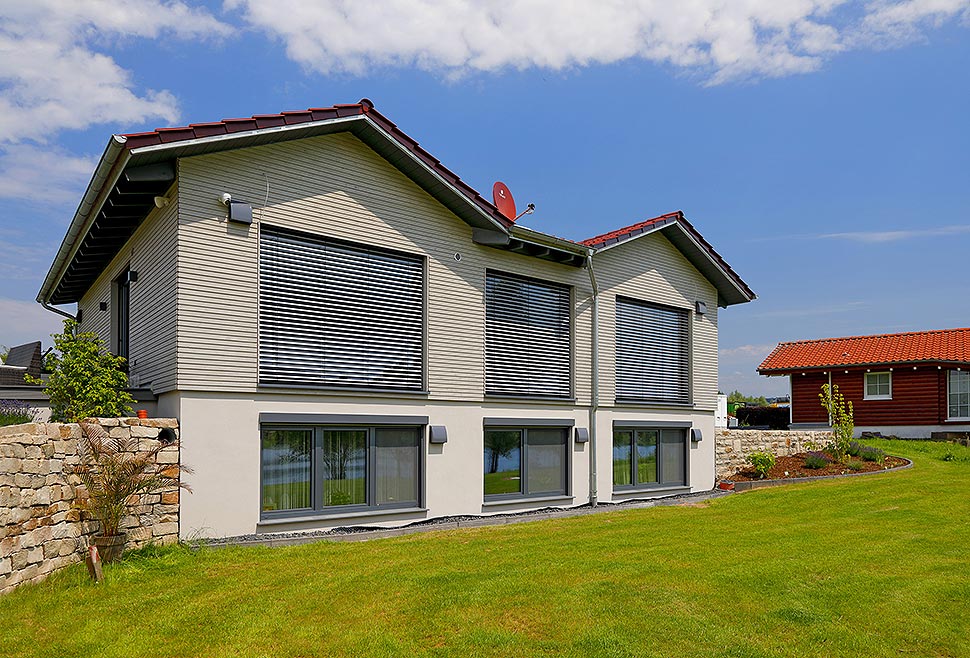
x=58, y=311
x=594, y=378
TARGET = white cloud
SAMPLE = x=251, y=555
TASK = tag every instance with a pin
x=23, y=322
x=895, y=236
x=746, y=352
x=725, y=40
x=47, y=175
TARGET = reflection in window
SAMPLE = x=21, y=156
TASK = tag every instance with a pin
x=525, y=461
x=286, y=469
x=647, y=457
x=343, y=477
x=503, y=462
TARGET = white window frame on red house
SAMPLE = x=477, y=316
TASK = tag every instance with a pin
x=965, y=374
x=878, y=396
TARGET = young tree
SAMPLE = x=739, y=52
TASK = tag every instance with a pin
x=85, y=380
x=840, y=417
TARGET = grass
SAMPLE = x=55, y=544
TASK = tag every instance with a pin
x=870, y=566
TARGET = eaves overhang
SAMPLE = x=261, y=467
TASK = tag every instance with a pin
x=136, y=168
x=793, y=370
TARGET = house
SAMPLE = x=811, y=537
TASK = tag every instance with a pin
x=908, y=385
x=348, y=333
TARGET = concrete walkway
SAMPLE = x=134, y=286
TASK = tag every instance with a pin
x=368, y=533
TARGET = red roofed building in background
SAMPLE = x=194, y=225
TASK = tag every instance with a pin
x=910, y=384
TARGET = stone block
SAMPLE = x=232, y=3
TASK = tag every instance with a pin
x=103, y=422
x=170, y=498
x=167, y=423
x=139, y=534
x=168, y=457
x=10, y=465
x=169, y=518
x=68, y=547
x=18, y=560
x=34, y=452
x=35, y=555
x=160, y=529
x=5, y=566
x=47, y=450
x=18, y=430
x=120, y=432
x=144, y=432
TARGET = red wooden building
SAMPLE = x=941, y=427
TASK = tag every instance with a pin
x=908, y=385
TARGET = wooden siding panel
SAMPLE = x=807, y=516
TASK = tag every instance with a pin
x=806, y=407
x=651, y=269
x=151, y=252
x=337, y=187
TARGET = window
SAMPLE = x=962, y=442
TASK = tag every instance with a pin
x=652, y=352
x=339, y=314
x=335, y=469
x=879, y=386
x=123, y=314
x=525, y=461
x=527, y=337
x=958, y=395
x=647, y=457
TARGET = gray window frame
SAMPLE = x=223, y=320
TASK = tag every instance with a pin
x=524, y=461
x=571, y=329
x=659, y=427
x=688, y=374
x=122, y=315
x=316, y=470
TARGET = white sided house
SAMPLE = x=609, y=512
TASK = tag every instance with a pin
x=349, y=334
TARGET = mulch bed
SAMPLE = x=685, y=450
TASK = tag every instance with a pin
x=793, y=466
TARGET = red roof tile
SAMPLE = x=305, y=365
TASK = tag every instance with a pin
x=629, y=231
x=944, y=345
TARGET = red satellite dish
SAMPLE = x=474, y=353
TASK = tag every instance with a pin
x=503, y=200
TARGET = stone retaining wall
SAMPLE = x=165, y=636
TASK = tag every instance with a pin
x=40, y=530
x=732, y=447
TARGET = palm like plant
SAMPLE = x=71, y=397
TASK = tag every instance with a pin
x=114, y=473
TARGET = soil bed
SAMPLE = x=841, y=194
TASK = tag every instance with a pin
x=793, y=466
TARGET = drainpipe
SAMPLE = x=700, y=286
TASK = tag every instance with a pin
x=58, y=311
x=594, y=378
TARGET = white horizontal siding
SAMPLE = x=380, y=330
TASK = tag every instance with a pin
x=651, y=269
x=334, y=186
x=151, y=252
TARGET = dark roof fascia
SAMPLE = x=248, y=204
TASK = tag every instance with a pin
x=731, y=289
x=860, y=366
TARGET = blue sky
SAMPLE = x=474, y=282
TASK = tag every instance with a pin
x=822, y=146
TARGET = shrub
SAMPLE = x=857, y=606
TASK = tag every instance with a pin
x=816, y=460
x=85, y=380
x=870, y=454
x=855, y=465
x=775, y=418
x=854, y=448
x=15, y=412
x=840, y=416
x=762, y=462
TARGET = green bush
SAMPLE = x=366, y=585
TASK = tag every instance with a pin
x=761, y=462
x=872, y=455
x=85, y=380
x=816, y=460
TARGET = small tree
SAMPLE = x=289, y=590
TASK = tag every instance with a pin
x=85, y=379
x=840, y=417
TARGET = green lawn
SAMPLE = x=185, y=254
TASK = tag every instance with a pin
x=867, y=566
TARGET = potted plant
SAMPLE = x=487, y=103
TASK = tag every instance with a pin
x=114, y=474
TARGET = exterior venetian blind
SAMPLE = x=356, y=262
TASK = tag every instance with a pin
x=527, y=337
x=339, y=314
x=652, y=360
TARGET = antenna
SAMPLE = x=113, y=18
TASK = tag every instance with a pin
x=502, y=198
x=529, y=209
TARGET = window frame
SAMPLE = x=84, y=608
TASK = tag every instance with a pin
x=949, y=393
x=688, y=375
x=660, y=428
x=571, y=326
x=317, y=508
x=121, y=330
x=362, y=248
x=523, y=430
x=865, y=386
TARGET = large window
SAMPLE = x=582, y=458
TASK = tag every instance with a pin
x=647, y=457
x=879, y=386
x=123, y=314
x=339, y=314
x=652, y=352
x=527, y=337
x=525, y=461
x=958, y=395
x=337, y=469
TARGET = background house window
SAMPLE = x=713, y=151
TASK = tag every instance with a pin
x=958, y=394
x=652, y=352
x=527, y=337
x=879, y=386
x=525, y=461
x=339, y=468
x=338, y=314
x=645, y=458
x=123, y=314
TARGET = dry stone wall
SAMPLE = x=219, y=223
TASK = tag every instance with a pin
x=40, y=530
x=732, y=446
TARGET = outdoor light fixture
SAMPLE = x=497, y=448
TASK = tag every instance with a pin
x=438, y=434
x=696, y=435
x=700, y=307
x=581, y=434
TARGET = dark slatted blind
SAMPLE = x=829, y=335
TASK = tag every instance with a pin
x=527, y=327
x=651, y=352
x=338, y=314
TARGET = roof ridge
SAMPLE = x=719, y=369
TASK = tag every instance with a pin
x=902, y=333
x=589, y=242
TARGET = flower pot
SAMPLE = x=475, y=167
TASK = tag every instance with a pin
x=110, y=547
